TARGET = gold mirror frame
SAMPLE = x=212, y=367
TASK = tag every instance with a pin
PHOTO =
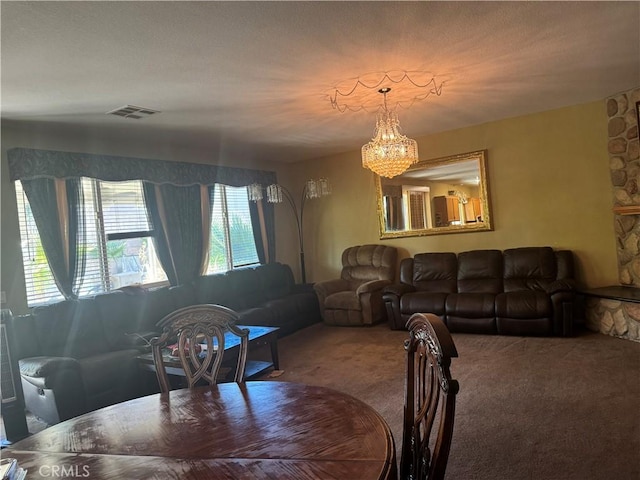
x=423, y=177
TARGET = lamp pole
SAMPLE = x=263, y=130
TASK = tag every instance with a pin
x=275, y=194
x=299, y=216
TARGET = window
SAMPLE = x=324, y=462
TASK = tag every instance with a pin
x=231, y=243
x=416, y=206
x=118, y=246
x=41, y=287
x=126, y=254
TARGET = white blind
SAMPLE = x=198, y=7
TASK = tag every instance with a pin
x=93, y=281
x=40, y=285
x=243, y=245
x=123, y=208
x=231, y=241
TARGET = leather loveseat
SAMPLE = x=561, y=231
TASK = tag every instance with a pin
x=79, y=355
x=519, y=291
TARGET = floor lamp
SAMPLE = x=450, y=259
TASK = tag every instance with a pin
x=277, y=193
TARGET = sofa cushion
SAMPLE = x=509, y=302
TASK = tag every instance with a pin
x=480, y=271
x=212, y=289
x=529, y=268
x=424, y=302
x=523, y=304
x=276, y=280
x=347, y=300
x=245, y=289
x=435, y=272
x=70, y=328
x=257, y=316
x=183, y=295
x=105, y=371
x=471, y=305
x=363, y=263
x=40, y=367
x=130, y=310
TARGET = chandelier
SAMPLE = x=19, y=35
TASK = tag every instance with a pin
x=389, y=153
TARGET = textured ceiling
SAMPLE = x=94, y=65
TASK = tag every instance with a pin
x=253, y=79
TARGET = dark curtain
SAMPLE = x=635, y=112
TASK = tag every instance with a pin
x=176, y=215
x=58, y=210
x=264, y=231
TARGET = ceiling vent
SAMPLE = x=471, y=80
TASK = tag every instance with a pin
x=132, y=111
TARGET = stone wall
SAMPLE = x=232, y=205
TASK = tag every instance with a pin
x=624, y=161
x=615, y=317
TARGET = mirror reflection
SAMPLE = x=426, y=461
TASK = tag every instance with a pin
x=444, y=195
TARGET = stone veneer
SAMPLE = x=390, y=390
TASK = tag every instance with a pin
x=624, y=162
x=615, y=317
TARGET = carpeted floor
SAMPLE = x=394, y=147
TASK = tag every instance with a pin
x=528, y=408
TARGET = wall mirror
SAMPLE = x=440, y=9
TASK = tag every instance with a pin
x=442, y=195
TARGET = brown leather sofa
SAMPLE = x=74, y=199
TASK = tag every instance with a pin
x=356, y=297
x=519, y=291
x=79, y=355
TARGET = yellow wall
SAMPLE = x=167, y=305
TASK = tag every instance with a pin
x=549, y=183
x=548, y=178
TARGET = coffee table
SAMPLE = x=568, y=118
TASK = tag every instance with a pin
x=258, y=337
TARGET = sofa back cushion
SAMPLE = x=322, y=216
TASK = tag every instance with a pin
x=127, y=311
x=245, y=289
x=70, y=328
x=154, y=306
x=529, y=268
x=480, y=271
x=431, y=272
x=364, y=263
x=276, y=280
x=183, y=295
x=213, y=289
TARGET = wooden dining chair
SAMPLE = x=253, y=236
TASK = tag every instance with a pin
x=430, y=397
x=193, y=330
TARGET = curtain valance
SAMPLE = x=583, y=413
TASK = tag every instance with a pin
x=28, y=163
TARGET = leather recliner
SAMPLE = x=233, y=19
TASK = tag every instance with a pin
x=356, y=297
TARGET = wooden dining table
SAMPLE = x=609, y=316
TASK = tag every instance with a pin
x=254, y=430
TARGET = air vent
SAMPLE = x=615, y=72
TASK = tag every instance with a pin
x=132, y=111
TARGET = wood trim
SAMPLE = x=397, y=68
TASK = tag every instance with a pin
x=627, y=210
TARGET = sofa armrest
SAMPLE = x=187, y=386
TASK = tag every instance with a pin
x=53, y=387
x=565, y=285
x=391, y=297
x=372, y=286
x=564, y=307
x=398, y=289
x=328, y=287
x=45, y=366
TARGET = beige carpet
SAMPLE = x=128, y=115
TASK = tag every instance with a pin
x=528, y=408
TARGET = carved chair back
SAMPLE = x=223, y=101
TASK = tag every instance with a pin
x=199, y=334
x=430, y=397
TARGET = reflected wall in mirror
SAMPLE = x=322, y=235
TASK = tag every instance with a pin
x=443, y=195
